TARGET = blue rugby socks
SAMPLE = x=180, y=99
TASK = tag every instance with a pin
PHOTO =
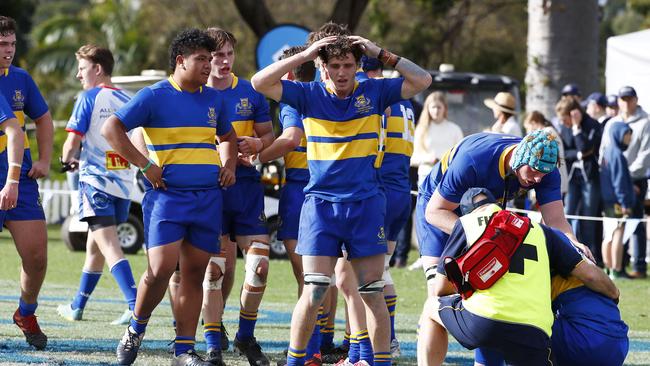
x=121, y=271
x=26, y=309
x=87, y=285
x=247, y=321
x=212, y=333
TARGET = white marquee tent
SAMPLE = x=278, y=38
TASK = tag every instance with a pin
x=628, y=63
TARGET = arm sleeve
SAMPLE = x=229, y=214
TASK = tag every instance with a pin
x=5, y=111
x=289, y=117
x=548, y=190
x=223, y=124
x=621, y=181
x=295, y=94
x=262, y=113
x=82, y=112
x=454, y=247
x=563, y=256
x=641, y=163
x=391, y=91
x=137, y=112
x=35, y=106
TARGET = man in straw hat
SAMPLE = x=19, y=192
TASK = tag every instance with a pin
x=503, y=108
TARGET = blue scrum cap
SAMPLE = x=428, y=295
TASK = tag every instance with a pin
x=370, y=63
x=467, y=204
x=539, y=150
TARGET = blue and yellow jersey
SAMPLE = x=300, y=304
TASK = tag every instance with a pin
x=479, y=160
x=400, y=126
x=523, y=294
x=24, y=98
x=295, y=162
x=179, y=130
x=243, y=108
x=5, y=111
x=342, y=135
x=572, y=300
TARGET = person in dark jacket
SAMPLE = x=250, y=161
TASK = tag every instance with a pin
x=617, y=193
x=581, y=137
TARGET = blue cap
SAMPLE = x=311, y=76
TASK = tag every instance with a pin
x=370, y=63
x=626, y=91
x=539, y=150
x=598, y=98
x=612, y=101
x=571, y=89
x=467, y=204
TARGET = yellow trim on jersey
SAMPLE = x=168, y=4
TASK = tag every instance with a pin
x=235, y=81
x=353, y=127
x=20, y=116
x=447, y=157
x=244, y=128
x=6, y=72
x=178, y=135
x=185, y=156
x=396, y=145
x=341, y=150
x=502, y=162
x=396, y=124
x=295, y=160
x=560, y=284
x=329, y=90
x=178, y=87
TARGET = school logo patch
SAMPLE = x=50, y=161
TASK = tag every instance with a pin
x=381, y=235
x=362, y=104
x=18, y=99
x=244, y=107
x=212, y=117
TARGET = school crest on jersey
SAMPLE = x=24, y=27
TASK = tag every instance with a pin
x=381, y=235
x=244, y=107
x=362, y=104
x=212, y=117
x=18, y=99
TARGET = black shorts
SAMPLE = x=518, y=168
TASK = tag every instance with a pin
x=520, y=344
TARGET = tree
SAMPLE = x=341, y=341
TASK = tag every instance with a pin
x=562, y=48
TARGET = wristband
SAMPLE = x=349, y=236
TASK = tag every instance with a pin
x=16, y=165
x=146, y=167
x=12, y=181
x=388, y=58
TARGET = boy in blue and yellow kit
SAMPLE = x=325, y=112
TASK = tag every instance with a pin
x=26, y=222
x=243, y=207
x=344, y=205
x=182, y=206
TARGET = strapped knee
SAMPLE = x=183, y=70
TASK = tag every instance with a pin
x=257, y=253
x=430, y=274
x=372, y=287
x=215, y=285
x=317, y=279
x=388, y=279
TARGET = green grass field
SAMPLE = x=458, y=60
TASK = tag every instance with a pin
x=93, y=340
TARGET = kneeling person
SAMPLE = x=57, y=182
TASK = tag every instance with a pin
x=513, y=315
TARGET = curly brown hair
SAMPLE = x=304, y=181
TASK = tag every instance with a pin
x=340, y=48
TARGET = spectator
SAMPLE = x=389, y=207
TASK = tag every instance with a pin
x=503, y=107
x=434, y=134
x=581, y=138
x=572, y=90
x=595, y=105
x=536, y=121
x=617, y=194
x=612, y=106
x=638, y=159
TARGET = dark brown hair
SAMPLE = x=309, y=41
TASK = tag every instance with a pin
x=221, y=36
x=7, y=26
x=304, y=72
x=340, y=48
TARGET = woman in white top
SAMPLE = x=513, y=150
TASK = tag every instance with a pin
x=534, y=121
x=434, y=134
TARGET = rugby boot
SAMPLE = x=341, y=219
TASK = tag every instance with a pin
x=68, y=313
x=395, y=350
x=127, y=350
x=252, y=350
x=189, y=358
x=214, y=357
x=33, y=333
x=124, y=319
